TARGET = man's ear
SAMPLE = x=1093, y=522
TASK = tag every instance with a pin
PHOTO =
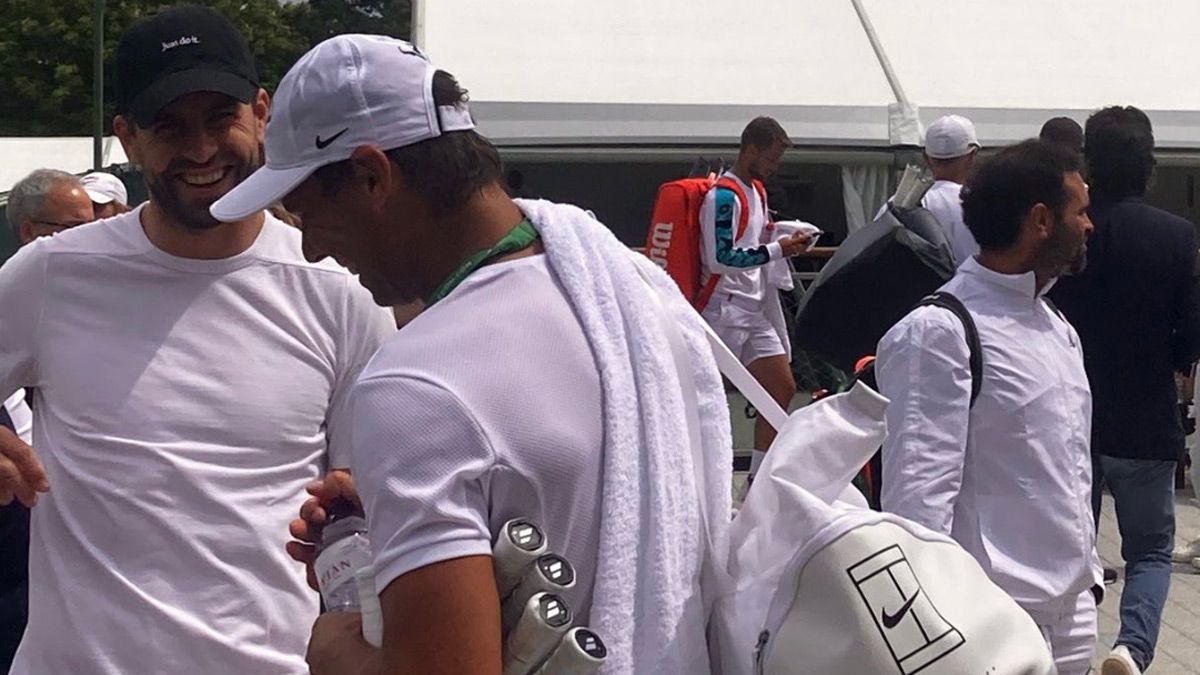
x=125, y=131
x=261, y=106
x=1040, y=221
x=25, y=232
x=375, y=174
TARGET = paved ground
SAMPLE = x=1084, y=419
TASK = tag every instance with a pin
x=1179, y=642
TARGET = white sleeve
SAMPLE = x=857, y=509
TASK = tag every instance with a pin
x=22, y=291
x=364, y=327
x=422, y=464
x=923, y=368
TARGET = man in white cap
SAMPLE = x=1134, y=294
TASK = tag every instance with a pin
x=538, y=383
x=107, y=192
x=950, y=150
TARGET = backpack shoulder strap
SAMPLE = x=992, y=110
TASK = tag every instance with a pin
x=727, y=183
x=1053, y=307
x=950, y=302
x=762, y=194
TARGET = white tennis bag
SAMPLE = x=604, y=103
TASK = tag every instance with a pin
x=819, y=585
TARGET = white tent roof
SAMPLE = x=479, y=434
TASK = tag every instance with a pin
x=694, y=71
x=23, y=155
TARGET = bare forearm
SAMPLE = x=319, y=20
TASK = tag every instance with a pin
x=443, y=619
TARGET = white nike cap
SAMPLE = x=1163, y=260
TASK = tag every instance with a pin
x=102, y=188
x=348, y=91
x=949, y=137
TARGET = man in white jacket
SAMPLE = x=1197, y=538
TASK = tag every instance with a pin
x=1007, y=475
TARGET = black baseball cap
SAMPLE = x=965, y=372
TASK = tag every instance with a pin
x=179, y=51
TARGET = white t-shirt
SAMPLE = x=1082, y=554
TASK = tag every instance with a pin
x=486, y=407
x=20, y=414
x=944, y=201
x=180, y=408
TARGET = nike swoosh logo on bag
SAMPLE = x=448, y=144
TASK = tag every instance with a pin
x=890, y=620
x=322, y=144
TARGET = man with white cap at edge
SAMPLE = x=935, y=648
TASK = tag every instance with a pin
x=107, y=192
x=521, y=391
x=950, y=151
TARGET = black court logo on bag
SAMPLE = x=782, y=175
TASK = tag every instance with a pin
x=916, y=634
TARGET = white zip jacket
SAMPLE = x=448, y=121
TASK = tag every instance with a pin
x=1009, y=478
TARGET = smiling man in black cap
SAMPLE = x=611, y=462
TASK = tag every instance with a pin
x=191, y=379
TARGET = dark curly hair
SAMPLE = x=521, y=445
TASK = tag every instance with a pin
x=763, y=133
x=1002, y=190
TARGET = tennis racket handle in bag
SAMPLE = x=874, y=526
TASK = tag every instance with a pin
x=549, y=573
x=519, y=543
x=541, y=627
x=581, y=652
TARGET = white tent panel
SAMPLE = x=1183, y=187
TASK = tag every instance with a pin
x=799, y=52
x=1043, y=54
x=570, y=72
x=22, y=155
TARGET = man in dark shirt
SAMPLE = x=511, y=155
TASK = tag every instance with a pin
x=1137, y=310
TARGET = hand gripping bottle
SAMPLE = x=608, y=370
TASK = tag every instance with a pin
x=344, y=550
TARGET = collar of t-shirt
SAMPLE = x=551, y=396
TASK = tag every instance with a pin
x=198, y=265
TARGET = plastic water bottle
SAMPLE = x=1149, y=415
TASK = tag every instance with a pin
x=344, y=550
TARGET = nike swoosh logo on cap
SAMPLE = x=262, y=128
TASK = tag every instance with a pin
x=890, y=620
x=322, y=144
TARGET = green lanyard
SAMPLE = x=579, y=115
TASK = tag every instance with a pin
x=518, y=238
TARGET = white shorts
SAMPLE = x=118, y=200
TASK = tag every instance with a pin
x=743, y=326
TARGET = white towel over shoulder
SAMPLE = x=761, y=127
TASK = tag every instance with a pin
x=647, y=602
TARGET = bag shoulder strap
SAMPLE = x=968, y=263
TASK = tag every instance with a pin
x=1053, y=307
x=762, y=195
x=949, y=301
x=731, y=367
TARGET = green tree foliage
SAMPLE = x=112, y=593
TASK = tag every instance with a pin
x=46, y=49
x=320, y=19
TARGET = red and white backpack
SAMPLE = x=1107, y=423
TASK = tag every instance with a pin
x=673, y=240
